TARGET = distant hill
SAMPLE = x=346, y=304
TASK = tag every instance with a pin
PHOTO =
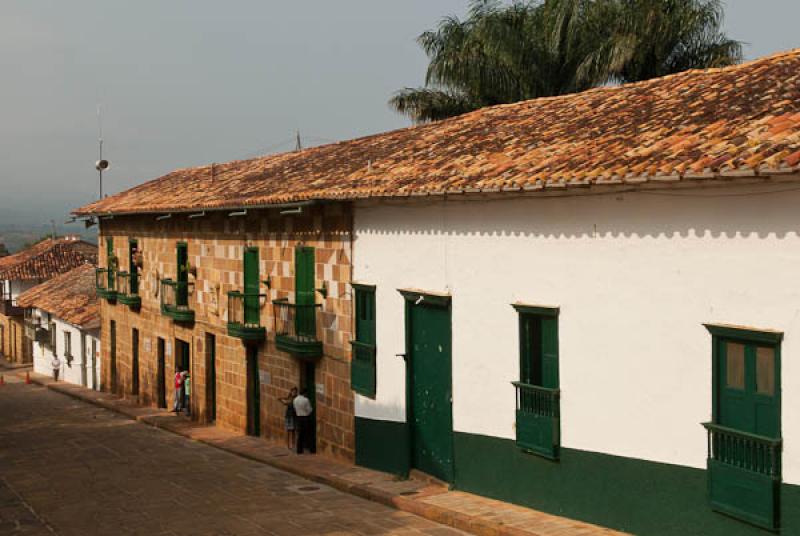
x=15, y=237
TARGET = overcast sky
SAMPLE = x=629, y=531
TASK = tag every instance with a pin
x=187, y=82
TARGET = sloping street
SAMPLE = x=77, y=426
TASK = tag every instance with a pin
x=67, y=467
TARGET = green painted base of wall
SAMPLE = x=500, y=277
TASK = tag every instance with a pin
x=383, y=446
x=631, y=495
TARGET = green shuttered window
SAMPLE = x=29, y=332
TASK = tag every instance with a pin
x=538, y=396
x=744, y=438
x=362, y=368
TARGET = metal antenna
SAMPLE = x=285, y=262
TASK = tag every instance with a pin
x=101, y=164
x=299, y=145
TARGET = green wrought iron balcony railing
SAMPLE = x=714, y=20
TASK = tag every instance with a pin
x=175, y=300
x=106, y=283
x=128, y=289
x=244, y=316
x=538, y=419
x=296, y=328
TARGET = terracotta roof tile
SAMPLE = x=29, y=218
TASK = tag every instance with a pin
x=696, y=122
x=46, y=259
x=70, y=297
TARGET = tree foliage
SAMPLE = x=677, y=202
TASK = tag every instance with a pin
x=506, y=53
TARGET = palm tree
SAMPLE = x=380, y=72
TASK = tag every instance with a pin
x=653, y=38
x=507, y=53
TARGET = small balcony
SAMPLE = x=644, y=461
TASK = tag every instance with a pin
x=105, y=284
x=44, y=336
x=9, y=307
x=244, y=316
x=175, y=300
x=128, y=290
x=296, y=329
x=538, y=419
x=740, y=461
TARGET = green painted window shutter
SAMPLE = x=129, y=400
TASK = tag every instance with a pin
x=305, y=319
x=111, y=263
x=538, y=395
x=744, y=439
x=252, y=311
x=362, y=367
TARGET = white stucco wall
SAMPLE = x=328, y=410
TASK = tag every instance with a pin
x=70, y=371
x=635, y=276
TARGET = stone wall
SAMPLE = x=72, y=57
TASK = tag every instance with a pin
x=216, y=243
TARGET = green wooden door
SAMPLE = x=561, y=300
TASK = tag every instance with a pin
x=251, y=287
x=304, y=292
x=113, y=356
x=430, y=389
x=748, y=380
x=539, y=350
x=182, y=290
x=253, y=393
x=135, y=361
x=161, y=376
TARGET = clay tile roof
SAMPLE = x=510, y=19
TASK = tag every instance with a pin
x=47, y=258
x=743, y=120
x=70, y=297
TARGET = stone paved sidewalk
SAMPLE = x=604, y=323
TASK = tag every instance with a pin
x=464, y=511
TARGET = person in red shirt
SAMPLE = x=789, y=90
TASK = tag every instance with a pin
x=178, y=391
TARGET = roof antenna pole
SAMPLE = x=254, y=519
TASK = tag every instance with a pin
x=101, y=164
x=299, y=145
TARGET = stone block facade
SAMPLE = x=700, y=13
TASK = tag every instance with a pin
x=216, y=243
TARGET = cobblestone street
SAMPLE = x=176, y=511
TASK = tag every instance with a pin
x=67, y=467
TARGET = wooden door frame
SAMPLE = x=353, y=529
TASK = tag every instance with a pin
x=414, y=298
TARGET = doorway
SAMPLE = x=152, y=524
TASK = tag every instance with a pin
x=211, y=377
x=253, y=393
x=429, y=396
x=135, y=362
x=112, y=369
x=161, y=379
x=182, y=360
x=95, y=385
x=308, y=382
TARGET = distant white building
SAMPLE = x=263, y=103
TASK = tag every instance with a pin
x=63, y=320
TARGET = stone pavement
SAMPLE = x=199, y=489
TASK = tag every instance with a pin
x=471, y=513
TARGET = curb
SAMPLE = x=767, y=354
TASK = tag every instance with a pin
x=438, y=514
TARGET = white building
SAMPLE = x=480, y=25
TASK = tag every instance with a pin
x=24, y=270
x=63, y=320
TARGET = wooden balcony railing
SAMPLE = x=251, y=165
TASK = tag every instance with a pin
x=244, y=316
x=538, y=419
x=296, y=328
x=106, y=283
x=175, y=300
x=744, y=475
x=128, y=289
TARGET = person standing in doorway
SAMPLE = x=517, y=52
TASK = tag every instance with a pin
x=290, y=418
x=187, y=391
x=56, y=364
x=303, y=410
x=178, y=391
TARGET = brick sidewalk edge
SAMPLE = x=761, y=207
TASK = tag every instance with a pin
x=443, y=516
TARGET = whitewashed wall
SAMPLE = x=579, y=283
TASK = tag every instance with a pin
x=635, y=276
x=70, y=371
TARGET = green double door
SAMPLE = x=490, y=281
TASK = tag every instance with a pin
x=430, y=391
